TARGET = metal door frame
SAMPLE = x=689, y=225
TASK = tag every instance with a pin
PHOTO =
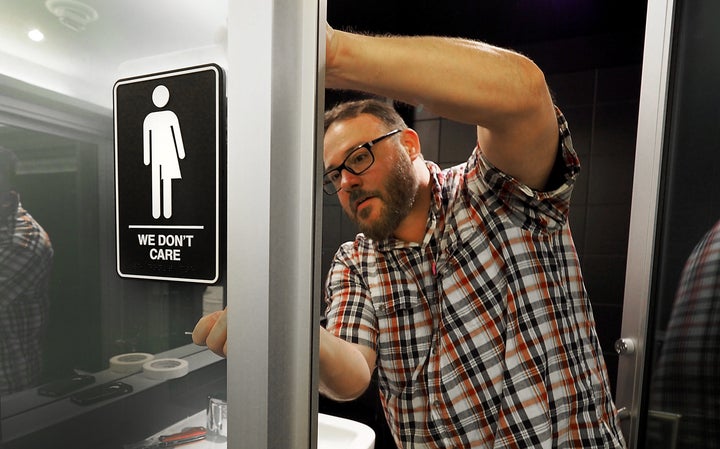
x=275, y=89
x=643, y=215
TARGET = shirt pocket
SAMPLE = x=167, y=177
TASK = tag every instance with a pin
x=405, y=334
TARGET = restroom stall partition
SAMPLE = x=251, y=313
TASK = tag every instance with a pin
x=274, y=118
x=670, y=347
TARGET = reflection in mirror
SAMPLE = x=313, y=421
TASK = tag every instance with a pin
x=25, y=261
x=684, y=392
x=681, y=396
x=56, y=117
x=55, y=181
x=74, y=317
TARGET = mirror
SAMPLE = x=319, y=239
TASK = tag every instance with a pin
x=56, y=183
x=56, y=117
x=88, y=314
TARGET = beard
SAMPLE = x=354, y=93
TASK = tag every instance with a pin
x=398, y=198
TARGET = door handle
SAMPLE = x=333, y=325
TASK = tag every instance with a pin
x=625, y=346
x=623, y=413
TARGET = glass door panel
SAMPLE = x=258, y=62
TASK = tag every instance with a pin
x=683, y=359
x=670, y=351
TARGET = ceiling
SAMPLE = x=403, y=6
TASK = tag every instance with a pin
x=88, y=44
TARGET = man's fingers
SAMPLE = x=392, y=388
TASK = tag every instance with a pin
x=204, y=326
x=217, y=339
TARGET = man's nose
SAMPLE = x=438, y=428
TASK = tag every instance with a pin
x=348, y=181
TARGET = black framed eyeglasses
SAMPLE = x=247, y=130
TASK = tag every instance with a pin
x=358, y=161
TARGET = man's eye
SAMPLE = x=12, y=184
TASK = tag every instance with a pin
x=333, y=176
x=358, y=159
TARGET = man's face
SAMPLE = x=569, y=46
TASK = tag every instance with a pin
x=381, y=197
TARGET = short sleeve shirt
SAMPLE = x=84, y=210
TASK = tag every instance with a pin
x=25, y=262
x=483, y=332
x=686, y=379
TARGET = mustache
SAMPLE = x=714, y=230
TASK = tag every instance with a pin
x=356, y=195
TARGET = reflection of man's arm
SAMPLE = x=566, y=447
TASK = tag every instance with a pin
x=345, y=368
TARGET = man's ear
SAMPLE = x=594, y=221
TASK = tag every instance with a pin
x=411, y=143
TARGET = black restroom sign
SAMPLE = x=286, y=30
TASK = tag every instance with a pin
x=168, y=139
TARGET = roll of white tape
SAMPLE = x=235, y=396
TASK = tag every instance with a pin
x=129, y=363
x=164, y=369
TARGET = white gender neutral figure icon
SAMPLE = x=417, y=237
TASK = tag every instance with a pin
x=162, y=146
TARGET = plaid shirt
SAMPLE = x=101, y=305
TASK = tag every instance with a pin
x=25, y=261
x=484, y=333
x=687, y=377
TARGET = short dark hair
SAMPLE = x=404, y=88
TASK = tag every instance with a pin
x=8, y=164
x=383, y=110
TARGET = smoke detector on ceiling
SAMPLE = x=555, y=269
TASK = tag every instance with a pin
x=72, y=13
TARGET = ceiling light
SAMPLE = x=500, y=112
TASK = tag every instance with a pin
x=36, y=35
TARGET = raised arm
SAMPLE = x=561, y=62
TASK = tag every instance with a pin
x=500, y=91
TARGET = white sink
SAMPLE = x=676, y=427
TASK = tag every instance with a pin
x=335, y=433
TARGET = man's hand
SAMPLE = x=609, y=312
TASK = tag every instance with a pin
x=211, y=331
x=330, y=45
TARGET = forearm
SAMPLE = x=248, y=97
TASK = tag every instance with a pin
x=345, y=368
x=463, y=80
